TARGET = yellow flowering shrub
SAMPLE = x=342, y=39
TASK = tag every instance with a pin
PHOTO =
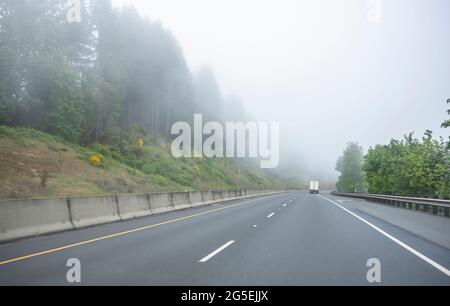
x=96, y=160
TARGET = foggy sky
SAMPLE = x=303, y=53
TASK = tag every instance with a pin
x=320, y=68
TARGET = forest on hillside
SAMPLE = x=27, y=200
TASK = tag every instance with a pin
x=102, y=79
x=108, y=87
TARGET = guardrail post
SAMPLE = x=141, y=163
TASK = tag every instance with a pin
x=435, y=210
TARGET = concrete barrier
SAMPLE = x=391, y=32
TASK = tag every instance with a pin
x=227, y=194
x=207, y=196
x=181, y=200
x=196, y=198
x=25, y=218
x=232, y=193
x=87, y=211
x=161, y=202
x=217, y=195
x=133, y=206
x=30, y=217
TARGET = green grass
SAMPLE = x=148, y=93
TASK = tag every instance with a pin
x=26, y=134
x=149, y=167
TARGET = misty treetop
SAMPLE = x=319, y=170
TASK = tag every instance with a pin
x=98, y=79
x=350, y=166
x=446, y=123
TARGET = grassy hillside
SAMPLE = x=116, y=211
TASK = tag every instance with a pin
x=35, y=164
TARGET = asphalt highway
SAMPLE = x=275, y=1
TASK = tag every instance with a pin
x=284, y=239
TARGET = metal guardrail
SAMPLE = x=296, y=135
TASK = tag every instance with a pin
x=434, y=206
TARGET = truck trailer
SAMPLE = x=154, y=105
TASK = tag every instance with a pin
x=314, y=187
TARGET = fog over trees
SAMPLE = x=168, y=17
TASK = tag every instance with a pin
x=318, y=67
x=350, y=164
x=100, y=78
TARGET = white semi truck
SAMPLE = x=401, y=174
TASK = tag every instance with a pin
x=314, y=187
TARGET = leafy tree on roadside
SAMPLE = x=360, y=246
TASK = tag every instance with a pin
x=350, y=166
x=446, y=123
x=409, y=167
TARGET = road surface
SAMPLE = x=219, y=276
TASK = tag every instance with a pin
x=284, y=239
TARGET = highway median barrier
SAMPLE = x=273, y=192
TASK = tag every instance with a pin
x=31, y=217
x=196, y=198
x=161, y=202
x=88, y=211
x=231, y=194
x=225, y=194
x=181, y=200
x=134, y=206
x=217, y=195
x=207, y=197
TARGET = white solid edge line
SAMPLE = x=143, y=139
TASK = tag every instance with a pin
x=402, y=244
x=214, y=253
x=271, y=215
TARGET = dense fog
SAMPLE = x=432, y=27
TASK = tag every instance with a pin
x=327, y=71
x=330, y=72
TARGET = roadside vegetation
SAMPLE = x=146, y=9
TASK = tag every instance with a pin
x=350, y=166
x=87, y=107
x=408, y=167
x=102, y=79
x=37, y=164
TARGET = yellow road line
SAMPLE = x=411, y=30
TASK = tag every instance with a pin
x=119, y=234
